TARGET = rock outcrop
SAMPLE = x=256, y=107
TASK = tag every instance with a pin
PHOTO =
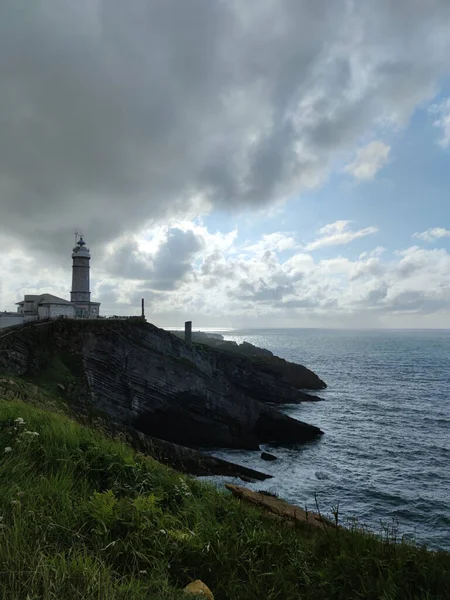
x=188, y=460
x=260, y=373
x=144, y=377
x=278, y=508
x=268, y=457
x=268, y=379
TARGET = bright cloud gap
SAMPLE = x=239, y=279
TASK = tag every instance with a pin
x=219, y=282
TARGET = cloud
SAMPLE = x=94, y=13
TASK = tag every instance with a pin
x=163, y=269
x=433, y=234
x=416, y=260
x=173, y=261
x=442, y=112
x=420, y=302
x=368, y=161
x=116, y=116
x=264, y=291
x=338, y=233
x=189, y=272
x=273, y=242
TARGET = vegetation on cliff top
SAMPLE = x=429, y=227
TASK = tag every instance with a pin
x=84, y=516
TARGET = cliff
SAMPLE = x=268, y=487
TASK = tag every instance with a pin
x=260, y=373
x=186, y=460
x=146, y=378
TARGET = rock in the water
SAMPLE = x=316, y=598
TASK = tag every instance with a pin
x=189, y=460
x=306, y=397
x=247, y=479
x=199, y=588
x=268, y=457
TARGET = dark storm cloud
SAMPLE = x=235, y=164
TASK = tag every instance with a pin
x=261, y=291
x=174, y=259
x=117, y=113
x=164, y=269
x=107, y=293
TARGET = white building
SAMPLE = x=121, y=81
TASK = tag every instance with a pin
x=45, y=306
x=48, y=306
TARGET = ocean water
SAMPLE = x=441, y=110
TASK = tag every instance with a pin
x=385, y=455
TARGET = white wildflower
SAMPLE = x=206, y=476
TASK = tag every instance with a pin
x=144, y=571
x=8, y=449
x=19, y=421
x=163, y=531
x=15, y=502
x=33, y=433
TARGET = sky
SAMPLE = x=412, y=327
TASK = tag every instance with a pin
x=280, y=163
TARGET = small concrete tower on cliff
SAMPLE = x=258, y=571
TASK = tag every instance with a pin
x=81, y=294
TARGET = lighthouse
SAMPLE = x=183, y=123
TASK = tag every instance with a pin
x=80, y=296
x=48, y=306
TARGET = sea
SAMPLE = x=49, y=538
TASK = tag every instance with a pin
x=384, y=460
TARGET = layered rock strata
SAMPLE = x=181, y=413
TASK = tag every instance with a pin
x=142, y=376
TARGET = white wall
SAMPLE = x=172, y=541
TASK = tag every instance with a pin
x=55, y=310
x=43, y=312
x=28, y=318
x=29, y=307
x=61, y=310
x=94, y=312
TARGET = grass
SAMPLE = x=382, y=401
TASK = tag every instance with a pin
x=62, y=369
x=83, y=516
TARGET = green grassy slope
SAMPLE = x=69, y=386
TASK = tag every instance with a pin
x=84, y=516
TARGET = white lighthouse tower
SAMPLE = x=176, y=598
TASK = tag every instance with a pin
x=80, y=295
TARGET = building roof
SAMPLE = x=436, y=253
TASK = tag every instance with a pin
x=44, y=299
x=28, y=298
x=50, y=299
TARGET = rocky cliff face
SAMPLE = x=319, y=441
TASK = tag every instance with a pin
x=144, y=377
x=276, y=380
x=269, y=379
